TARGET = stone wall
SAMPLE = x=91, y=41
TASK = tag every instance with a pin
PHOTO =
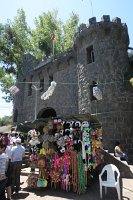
x=63, y=101
x=109, y=40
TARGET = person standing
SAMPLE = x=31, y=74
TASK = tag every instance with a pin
x=3, y=169
x=6, y=139
x=9, y=172
x=18, y=153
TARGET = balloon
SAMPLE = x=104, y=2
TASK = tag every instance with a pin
x=131, y=81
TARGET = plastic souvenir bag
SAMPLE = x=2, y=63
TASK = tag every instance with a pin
x=42, y=182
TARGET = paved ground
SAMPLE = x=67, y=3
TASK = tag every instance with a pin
x=91, y=194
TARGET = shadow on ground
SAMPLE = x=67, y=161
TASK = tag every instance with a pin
x=92, y=193
x=21, y=195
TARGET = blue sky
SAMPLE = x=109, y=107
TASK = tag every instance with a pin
x=84, y=8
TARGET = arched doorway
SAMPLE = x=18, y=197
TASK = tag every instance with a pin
x=46, y=113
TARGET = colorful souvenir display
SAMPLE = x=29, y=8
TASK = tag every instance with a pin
x=70, y=153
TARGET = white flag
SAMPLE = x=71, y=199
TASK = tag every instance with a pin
x=14, y=89
x=97, y=93
x=49, y=92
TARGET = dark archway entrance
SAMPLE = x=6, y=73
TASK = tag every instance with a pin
x=46, y=113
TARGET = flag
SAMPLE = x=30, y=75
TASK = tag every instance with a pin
x=97, y=93
x=49, y=92
x=52, y=36
x=14, y=89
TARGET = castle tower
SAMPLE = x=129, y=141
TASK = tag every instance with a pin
x=102, y=58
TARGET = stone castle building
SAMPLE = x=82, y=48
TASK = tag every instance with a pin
x=99, y=55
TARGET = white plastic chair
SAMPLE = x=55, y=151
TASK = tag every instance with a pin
x=113, y=179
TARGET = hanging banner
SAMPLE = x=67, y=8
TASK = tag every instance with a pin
x=97, y=93
x=49, y=92
x=14, y=89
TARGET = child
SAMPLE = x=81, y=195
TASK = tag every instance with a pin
x=119, y=152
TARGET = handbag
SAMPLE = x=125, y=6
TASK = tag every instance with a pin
x=42, y=182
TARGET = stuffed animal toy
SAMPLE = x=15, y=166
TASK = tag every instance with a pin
x=85, y=125
x=32, y=133
x=49, y=92
x=34, y=141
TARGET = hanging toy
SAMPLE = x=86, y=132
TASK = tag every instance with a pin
x=33, y=161
x=14, y=89
x=42, y=151
x=49, y=92
x=42, y=182
x=131, y=81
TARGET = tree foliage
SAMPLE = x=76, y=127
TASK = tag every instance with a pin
x=69, y=30
x=6, y=120
x=46, y=24
x=17, y=39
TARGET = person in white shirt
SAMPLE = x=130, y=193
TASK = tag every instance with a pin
x=18, y=153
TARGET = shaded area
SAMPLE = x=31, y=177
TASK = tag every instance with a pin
x=54, y=194
x=41, y=122
x=46, y=113
x=27, y=126
x=21, y=195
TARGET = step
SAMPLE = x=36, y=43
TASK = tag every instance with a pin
x=118, y=158
x=124, y=168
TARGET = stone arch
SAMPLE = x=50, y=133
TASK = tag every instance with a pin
x=46, y=112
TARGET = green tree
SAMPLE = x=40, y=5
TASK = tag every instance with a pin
x=6, y=120
x=15, y=42
x=69, y=30
x=46, y=24
x=17, y=39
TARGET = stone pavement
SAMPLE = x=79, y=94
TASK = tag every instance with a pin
x=58, y=194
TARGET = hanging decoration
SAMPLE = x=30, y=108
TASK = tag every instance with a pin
x=97, y=93
x=68, y=156
x=14, y=89
x=49, y=92
x=131, y=81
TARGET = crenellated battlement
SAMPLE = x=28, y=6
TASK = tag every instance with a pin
x=105, y=27
x=105, y=18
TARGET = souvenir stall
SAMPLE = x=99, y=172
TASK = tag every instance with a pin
x=66, y=152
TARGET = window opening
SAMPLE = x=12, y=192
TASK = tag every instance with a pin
x=90, y=55
x=30, y=87
x=42, y=84
x=50, y=79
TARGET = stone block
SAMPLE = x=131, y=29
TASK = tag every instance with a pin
x=82, y=27
x=130, y=151
x=105, y=18
x=117, y=20
x=92, y=20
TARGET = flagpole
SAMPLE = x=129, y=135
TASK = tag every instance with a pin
x=53, y=40
x=53, y=49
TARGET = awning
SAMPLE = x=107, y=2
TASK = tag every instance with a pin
x=84, y=117
x=27, y=126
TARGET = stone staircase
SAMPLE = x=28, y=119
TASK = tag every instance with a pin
x=125, y=169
